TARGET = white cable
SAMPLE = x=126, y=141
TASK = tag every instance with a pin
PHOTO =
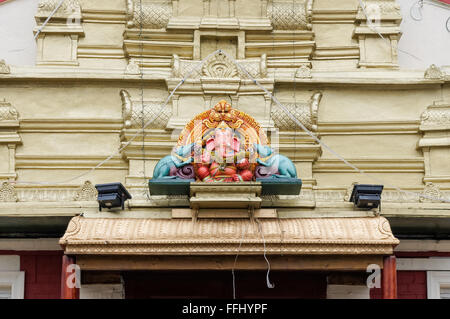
x=235, y=260
x=293, y=118
x=134, y=136
x=387, y=41
x=274, y=99
x=48, y=18
x=269, y=284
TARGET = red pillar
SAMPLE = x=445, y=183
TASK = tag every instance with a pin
x=69, y=285
x=389, y=278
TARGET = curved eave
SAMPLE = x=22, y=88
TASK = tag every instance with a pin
x=295, y=236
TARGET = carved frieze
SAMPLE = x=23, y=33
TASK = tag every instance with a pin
x=290, y=15
x=304, y=112
x=136, y=116
x=148, y=15
x=219, y=66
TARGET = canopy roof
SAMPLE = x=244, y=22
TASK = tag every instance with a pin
x=296, y=236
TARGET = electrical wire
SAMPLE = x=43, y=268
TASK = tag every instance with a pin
x=387, y=41
x=275, y=100
x=188, y=75
x=48, y=18
x=269, y=284
x=235, y=261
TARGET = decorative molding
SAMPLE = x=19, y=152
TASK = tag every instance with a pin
x=434, y=73
x=67, y=8
x=8, y=112
x=305, y=112
x=8, y=193
x=303, y=72
x=299, y=236
x=64, y=27
x=393, y=165
x=366, y=127
x=132, y=68
x=437, y=116
x=4, y=68
x=385, y=9
x=430, y=190
x=290, y=15
x=148, y=15
x=220, y=66
x=135, y=116
x=68, y=125
x=67, y=161
x=87, y=192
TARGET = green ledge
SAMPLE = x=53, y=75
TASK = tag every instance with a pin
x=270, y=186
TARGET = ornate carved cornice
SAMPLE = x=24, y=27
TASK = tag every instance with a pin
x=68, y=8
x=306, y=113
x=148, y=15
x=305, y=236
x=290, y=15
x=436, y=116
x=136, y=116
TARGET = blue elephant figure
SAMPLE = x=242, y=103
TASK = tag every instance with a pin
x=177, y=159
x=278, y=162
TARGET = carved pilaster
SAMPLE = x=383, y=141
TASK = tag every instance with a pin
x=9, y=138
x=435, y=143
x=378, y=24
x=57, y=42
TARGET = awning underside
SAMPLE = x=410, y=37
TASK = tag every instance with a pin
x=295, y=236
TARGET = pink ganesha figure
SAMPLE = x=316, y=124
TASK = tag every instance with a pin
x=221, y=166
x=224, y=144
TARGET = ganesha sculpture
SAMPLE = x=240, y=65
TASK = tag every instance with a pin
x=223, y=145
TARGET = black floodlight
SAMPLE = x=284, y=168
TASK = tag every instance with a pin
x=366, y=196
x=112, y=195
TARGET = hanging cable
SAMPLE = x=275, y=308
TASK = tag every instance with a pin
x=188, y=75
x=275, y=100
x=269, y=284
x=387, y=41
x=235, y=260
x=323, y=144
x=48, y=18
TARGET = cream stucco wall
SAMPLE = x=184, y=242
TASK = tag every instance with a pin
x=388, y=120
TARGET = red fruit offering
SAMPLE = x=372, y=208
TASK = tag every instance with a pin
x=247, y=175
x=202, y=172
x=230, y=170
x=243, y=164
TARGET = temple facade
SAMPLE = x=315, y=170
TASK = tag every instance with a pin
x=239, y=130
